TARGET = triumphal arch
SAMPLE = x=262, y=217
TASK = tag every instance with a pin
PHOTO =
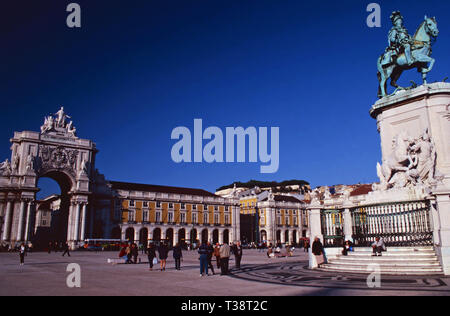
x=57, y=153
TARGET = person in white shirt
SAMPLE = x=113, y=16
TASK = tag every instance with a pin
x=378, y=246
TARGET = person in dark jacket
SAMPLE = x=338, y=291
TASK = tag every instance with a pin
x=134, y=253
x=237, y=250
x=66, y=250
x=177, y=255
x=151, y=254
x=203, y=251
x=210, y=255
x=318, y=252
x=163, y=251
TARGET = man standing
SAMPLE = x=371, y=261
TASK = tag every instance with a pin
x=237, y=249
x=224, y=258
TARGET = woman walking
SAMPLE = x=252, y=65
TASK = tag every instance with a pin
x=177, y=255
x=151, y=253
x=163, y=251
x=317, y=250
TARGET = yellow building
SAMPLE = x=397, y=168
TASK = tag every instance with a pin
x=179, y=215
x=265, y=217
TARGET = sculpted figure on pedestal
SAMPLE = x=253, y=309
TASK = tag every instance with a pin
x=30, y=163
x=327, y=194
x=48, y=125
x=5, y=168
x=71, y=129
x=15, y=163
x=61, y=118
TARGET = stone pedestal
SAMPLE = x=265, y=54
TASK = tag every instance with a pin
x=413, y=112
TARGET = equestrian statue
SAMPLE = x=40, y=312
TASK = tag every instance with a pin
x=406, y=52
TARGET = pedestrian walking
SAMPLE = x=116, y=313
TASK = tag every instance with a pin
x=22, y=253
x=50, y=248
x=224, y=258
x=203, y=251
x=178, y=256
x=318, y=252
x=66, y=249
x=151, y=254
x=163, y=251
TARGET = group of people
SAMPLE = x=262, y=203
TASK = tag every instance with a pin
x=207, y=251
x=280, y=251
x=222, y=254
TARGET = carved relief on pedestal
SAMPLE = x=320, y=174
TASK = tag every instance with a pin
x=411, y=163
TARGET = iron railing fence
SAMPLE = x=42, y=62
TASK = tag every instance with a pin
x=401, y=224
x=332, y=222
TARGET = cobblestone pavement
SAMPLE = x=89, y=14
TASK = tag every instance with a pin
x=45, y=274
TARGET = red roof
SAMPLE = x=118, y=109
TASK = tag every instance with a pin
x=362, y=190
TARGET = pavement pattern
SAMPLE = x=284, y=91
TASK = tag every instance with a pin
x=45, y=275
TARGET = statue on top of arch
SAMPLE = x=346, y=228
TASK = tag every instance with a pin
x=58, y=122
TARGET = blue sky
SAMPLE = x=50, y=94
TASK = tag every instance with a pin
x=138, y=69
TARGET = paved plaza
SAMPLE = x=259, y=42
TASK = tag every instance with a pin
x=45, y=274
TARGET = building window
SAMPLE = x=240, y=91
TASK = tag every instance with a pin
x=158, y=217
x=44, y=223
x=194, y=207
x=145, y=216
x=262, y=220
x=170, y=217
x=145, y=204
x=183, y=218
x=294, y=212
x=171, y=205
x=194, y=218
x=216, y=219
x=131, y=216
x=216, y=208
x=205, y=207
x=278, y=220
x=132, y=203
x=183, y=206
x=295, y=221
x=227, y=219
x=158, y=204
x=205, y=218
